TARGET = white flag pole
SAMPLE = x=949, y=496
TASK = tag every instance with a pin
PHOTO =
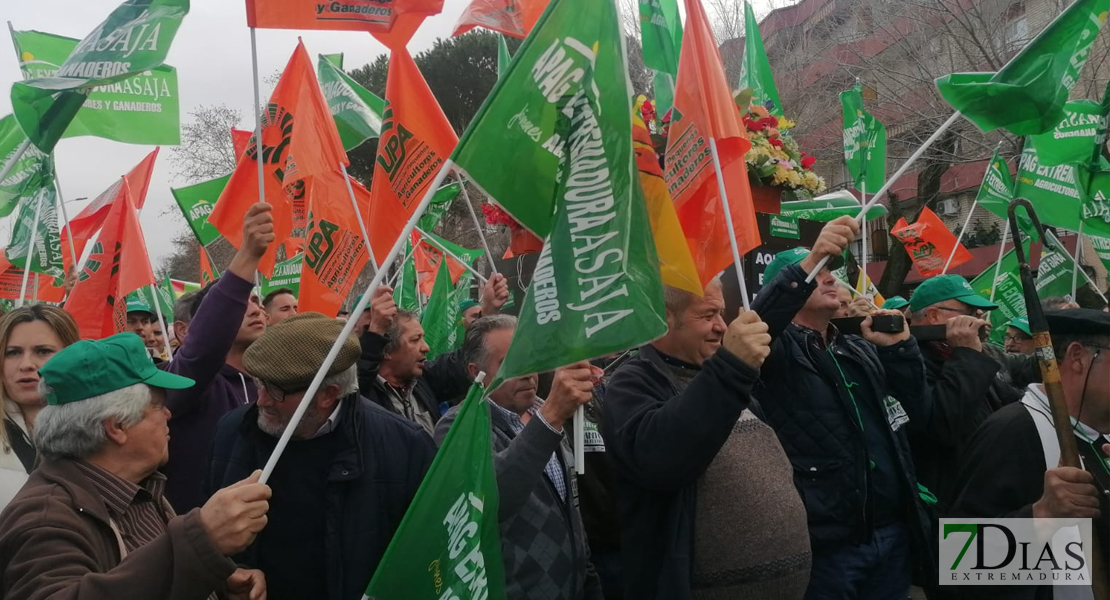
x=960, y=238
x=161, y=320
x=477, y=224
x=358, y=215
x=1001, y=253
x=349, y=326
x=62, y=203
x=257, y=132
x=30, y=250
x=579, y=441
x=889, y=182
x=728, y=222
x=862, y=283
x=431, y=241
x=1060, y=246
x=15, y=159
x=1078, y=253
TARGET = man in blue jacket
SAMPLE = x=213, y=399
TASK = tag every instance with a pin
x=841, y=405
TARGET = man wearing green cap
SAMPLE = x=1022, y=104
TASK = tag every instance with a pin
x=92, y=521
x=1019, y=340
x=899, y=304
x=840, y=405
x=140, y=321
x=968, y=383
x=344, y=481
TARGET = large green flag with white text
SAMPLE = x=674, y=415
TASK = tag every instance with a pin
x=755, y=71
x=1055, y=193
x=26, y=177
x=356, y=110
x=864, y=142
x=1027, y=95
x=38, y=217
x=287, y=274
x=142, y=109
x=196, y=203
x=448, y=546
x=828, y=209
x=997, y=190
x=437, y=320
x=133, y=39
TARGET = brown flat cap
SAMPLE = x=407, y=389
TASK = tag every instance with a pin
x=289, y=353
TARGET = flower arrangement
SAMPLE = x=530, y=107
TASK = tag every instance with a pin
x=521, y=241
x=774, y=158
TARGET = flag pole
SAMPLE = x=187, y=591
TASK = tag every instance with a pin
x=1078, y=253
x=477, y=224
x=998, y=263
x=30, y=251
x=889, y=182
x=62, y=202
x=959, y=238
x=728, y=222
x=428, y=238
x=1060, y=245
x=349, y=326
x=161, y=321
x=863, y=226
x=358, y=215
x=19, y=152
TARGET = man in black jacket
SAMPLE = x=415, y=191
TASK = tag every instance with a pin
x=704, y=493
x=840, y=404
x=344, y=481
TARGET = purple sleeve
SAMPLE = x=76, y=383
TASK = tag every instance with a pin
x=211, y=334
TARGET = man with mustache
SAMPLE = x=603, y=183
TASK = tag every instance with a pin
x=543, y=543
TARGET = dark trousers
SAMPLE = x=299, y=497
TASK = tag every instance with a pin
x=610, y=571
x=877, y=570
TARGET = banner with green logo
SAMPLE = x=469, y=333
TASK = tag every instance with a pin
x=26, y=177
x=143, y=109
x=356, y=110
x=448, y=545
x=40, y=214
x=196, y=203
x=785, y=227
x=287, y=274
x=134, y=39
x=1052, y=190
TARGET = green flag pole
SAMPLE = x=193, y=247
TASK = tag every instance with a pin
x=432, y=241
x=30, y=250
x=889, y=182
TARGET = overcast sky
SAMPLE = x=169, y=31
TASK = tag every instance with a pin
x=212, y=57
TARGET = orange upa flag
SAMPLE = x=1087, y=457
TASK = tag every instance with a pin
x=510, y=17
x=299, y=140
x=38, y=286
x=334, y=252
x=416, y=139
x=87, y=222
x=427, y=257
x=704, y=110
x=117, y=266
x=347, y=15
x=207, y=272
x=929, y=243
x=676, y=265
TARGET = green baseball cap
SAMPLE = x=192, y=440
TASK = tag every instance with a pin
x=468, y=304
x=94, y=367
x=1022, y=324
x=947, y=287
x=895, y=303
x=792, y=257
x=136, y=304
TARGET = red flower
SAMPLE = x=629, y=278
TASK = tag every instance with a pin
x=808, y=161
x=496, y=216
x=753, y=125
x=770, y=122
x=775, y=142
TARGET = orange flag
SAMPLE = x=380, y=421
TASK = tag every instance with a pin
x=334, y=252
x=427, y=257
x=929, y=243
x=207, y=272
x=87, y=222
x=349, y=15
x=117, y=266
x=510, y=17
x=416, y=140
x=704, y=110
x=299, y=140
x=240, y=141
x=11, y=283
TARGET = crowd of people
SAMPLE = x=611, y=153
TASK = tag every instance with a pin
x=770, y=456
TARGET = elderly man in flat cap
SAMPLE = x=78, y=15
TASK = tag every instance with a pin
x=92, y=521
x=346, y=478
x=1010, y=468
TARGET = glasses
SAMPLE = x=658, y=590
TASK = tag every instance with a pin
x=975, y=312
x=274, y=392
x=1016, y=338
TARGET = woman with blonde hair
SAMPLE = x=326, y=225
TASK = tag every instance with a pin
x=29, y=336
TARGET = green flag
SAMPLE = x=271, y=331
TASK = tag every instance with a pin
x=165, y=298
x=755, y=71
x=357, y=111
x=997, y=189
x=138, y=110
x=1054, y=272
x=864, y=142
x=1072, y=140
x=287, y=274
x=40, y=213
x=26, y=177
x=1102, y=249
x=404, y=294
x=1055, y=193
x=1094, y=187
x=503, y=57
x=196, y=203
x=1027, y=95
x=441, y=202
x=448, y=545
x=1007, y=293
x=334, y=59
x=596, y=288
x=828, y=210
x=438, y=319
x=661, y=39
x=135, y=38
